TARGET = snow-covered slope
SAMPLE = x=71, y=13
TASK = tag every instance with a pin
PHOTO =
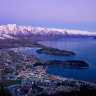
x=12, y=31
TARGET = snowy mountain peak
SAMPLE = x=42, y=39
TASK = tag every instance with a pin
x=12, y=31
x=11, y=25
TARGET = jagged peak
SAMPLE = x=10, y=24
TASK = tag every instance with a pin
x=12, y=25
x=14, y=30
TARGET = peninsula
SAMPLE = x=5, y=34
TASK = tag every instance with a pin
x=54, y=51
x=67, y=64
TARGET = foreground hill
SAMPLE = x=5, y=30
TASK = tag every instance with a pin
x=12, y=31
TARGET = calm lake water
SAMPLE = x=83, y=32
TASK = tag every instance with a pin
x=85, y=49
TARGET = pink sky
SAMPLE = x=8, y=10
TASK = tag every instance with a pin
x=48, y=11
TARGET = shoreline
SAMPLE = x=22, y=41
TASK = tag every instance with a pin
x=25, y=71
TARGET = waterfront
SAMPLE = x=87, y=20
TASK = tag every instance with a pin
x=84, y=49
x=18, y=76
x=35, y=80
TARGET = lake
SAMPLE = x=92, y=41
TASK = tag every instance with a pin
x=85, y=49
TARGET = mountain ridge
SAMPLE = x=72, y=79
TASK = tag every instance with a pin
x=12, y=31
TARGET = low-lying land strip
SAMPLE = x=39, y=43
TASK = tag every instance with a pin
x=33, y=43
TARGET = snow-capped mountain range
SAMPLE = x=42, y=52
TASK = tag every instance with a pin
x=12, y=31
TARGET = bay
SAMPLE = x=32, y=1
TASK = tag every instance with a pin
x=85, y=49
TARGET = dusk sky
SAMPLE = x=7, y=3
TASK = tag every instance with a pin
x=76, y=14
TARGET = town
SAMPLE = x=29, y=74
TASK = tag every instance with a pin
x=33, y=79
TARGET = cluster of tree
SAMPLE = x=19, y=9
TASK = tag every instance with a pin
x=4, y=92
x=83, y=92
x=75, y=93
